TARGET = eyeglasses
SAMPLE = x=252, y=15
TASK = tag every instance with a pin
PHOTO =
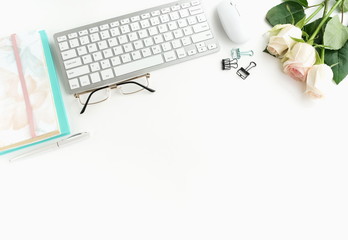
x=129, y=86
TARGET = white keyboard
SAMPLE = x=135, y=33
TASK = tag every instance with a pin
x=116, y=49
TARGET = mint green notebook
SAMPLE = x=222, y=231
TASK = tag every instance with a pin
x=31, y=106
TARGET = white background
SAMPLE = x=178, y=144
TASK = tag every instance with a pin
x=208, y=156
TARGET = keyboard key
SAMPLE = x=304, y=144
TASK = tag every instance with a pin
x=202, y=36
x=95, y=37
x=139, y=64
x=74, y=83
x=83, y=32
x=63, y=46
x=158, y=39
x=105, y=64
x=172, y=26
x=108, y=53
x=181, y=53
x=136, y=55
x=92, y=47
x=201, y=18
x=184, y=13
x=138, y=44
x=185, y=5
x=118, y=50
x=155, y=13
x=212, y=46
x=143, y=33
x=175, y=7
x=176, y=43
x=62, y=38
x=135, y=18
x=84, y=80
x=148, y=42
x=195, y=10
x=168, y=36
x=84, y=40
x=72, y=35
x=82, y=50
x=105, y=34
x=192, y=20
x=145, y=15
x=69, y=54
x=202, y=49
x=188, y=31
x=115, y=61
x=74, y=43
x=95, y=77
x=128, y=47
x=95, y=67
x=115, y=24
x=145, y=23
x=174, y=16
x=97, y=56
x=76, y=72
x=166, y=46
x=125, y=21
x=115, y=32
x=156, y=49
x=135, y=26
x=125, y=29
x=153, y=31
x=112, y=42
x=102, y=45
x=192, y=52
x=182, y=23
x=169, y=56
x=178, y=33
x=195, y=2
x=72, y=63
x=122, y=39
x=133, y=36
x=186, y=41
x=163, y=28
x=87, y=59
x=104, y=27
x=155, y=21
x=146, y=52
x=126, y=58
x=165, y=18
x=200, y=27
x=93, y=30
x=165, y=10
x=107, y=74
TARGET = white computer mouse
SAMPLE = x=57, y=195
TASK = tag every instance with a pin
x=232, y=22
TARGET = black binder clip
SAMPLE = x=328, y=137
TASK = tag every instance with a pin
x=244, y=73
x=227, y=64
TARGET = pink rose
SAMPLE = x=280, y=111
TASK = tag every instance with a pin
x=298, y=61
x=319, y=77
x=280, y=40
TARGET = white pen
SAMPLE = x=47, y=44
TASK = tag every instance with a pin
x=71, y=139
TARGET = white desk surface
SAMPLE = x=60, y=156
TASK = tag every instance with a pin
x=208, y=156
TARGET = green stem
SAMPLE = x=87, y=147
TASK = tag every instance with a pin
x=314, y=13
x=311, y=39
x=322, y=56
x=325, y=9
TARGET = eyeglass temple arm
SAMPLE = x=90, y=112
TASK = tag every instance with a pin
x=139, y=84
x=89, y=97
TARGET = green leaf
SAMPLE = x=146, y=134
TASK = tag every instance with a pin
x=344, y=6
x=300, y=24
x=335, y=34
x=286, y=12
x=298, y=40
x=311, y=27
x=302, y=2
x=340, y=58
